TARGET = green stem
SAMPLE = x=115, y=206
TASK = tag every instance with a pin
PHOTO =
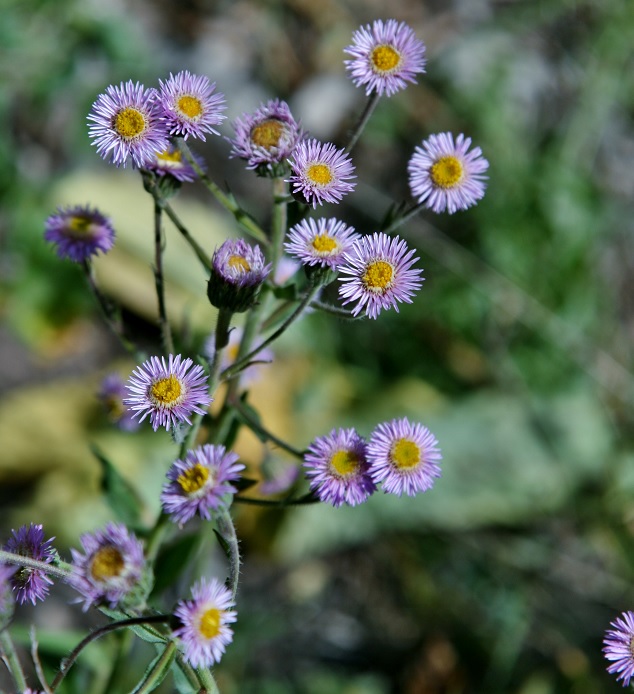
x=227, y=201
x=68, y=662
x=156, y=536
x=223, y=323
x=259, y=429
x=333, y=310
x=279, y=221
x=60, y=568
x=10, y=658
x=157, y=673
x=363, y=119
x=207, y=680
x=110, y=313
x=166, y=333
x=152, y=188
x=239, y=364
x=405, y=217
x=227, y=531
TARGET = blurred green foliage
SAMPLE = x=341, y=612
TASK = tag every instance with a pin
x=517, y=352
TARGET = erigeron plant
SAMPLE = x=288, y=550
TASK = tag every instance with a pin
x=151, y=129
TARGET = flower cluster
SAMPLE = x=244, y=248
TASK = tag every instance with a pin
x=400, y=456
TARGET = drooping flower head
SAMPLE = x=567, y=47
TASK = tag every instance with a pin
x=28, y=541
x=377, y=273
x=320, y=172
x=200, y=484
x=204, y=632
x=79, y=232
x=403, y=457
x=385, y=57
x=618, y=647
x=168, y=392
x=322, y=242
x=337, y=468
x=267, y=137
x=446, y=175
x=109, y=567
x=190, y=106
x=111, y=394
x=126, y=125
x=238, y=270
x=170, y=162
x=230, y=354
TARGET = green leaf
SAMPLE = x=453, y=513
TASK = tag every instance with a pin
x=172, y=560
x=120, y=495
x=156, y=671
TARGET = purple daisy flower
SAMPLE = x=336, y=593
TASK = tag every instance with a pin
x=617, y=647
x=322, y=242
x=385, y=57
x=204, y=632
x=190, y=106
x=79, y=232
x=320, y=172
x=168, y=392
x=446, y=176
x=338, y=469
x=380, y=274
x=230, y=354
x=28, y=541
x=110, y=566
x=201, y=483
x=403, y=457
x=266, y=137
x=170, y=162
x=111, y=394
x=237, y=272
x=126, y=124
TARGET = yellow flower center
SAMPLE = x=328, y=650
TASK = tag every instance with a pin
x=114, y=407
x=166, y=391
x=405, y=454
x=385, y=59
x=194, y=479
x=190, y=106
x=324, y=244
x=267, y=134
x=107, y=562
x=447, y=172
x=344, y=463
x=129, y=123
x=320, y=174
x=79, y=225
x=170, y=157
x=209, y=625
x=239, y=263
x=232, y=352
x=378, y=276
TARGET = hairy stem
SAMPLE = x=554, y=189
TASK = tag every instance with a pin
x=370, y=105
x=60, y=568
x=10, y=659
x=166, y=332
x=227, y=531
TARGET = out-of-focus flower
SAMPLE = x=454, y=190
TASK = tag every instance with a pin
x=204, y=632
x=79, y=232
x=320, y=172
x=109, y=568
x=168, y=392
x=403, y=457
x=170, y=162
x=385, y=57
x=446, y=175
x=111, y=394
x=126, y=125
x=377, y=273
x=190, y=106
x=28, y=583
x=267, y=137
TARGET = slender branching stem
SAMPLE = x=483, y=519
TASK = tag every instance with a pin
x=279, y=221
x=227, y=201
x=404, y=217
x=227, y=531
x=59, y=568
x=11, y=660
x=370, y=105
x=159, y=280
x=69, y=661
